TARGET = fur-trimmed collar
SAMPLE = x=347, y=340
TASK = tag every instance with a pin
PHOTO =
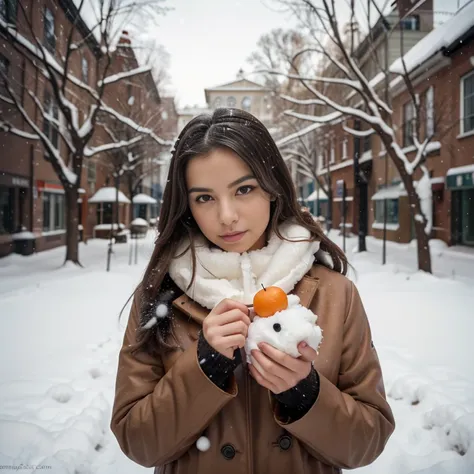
x=221, y=274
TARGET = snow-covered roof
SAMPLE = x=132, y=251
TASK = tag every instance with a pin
x=109, y=194
x=460, y=170
x=390, y=192
x=440, y=38
x=143, y=199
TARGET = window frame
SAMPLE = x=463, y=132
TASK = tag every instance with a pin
x=4, y=60
x=51, y=119
x=231, y=101
x=56, y=210
x=49, y=41
x=246, y=99
x=408, y=123
x=430, y=126
x=85, y=77
x=379, y=211
x=9, y=11
x=469, y=75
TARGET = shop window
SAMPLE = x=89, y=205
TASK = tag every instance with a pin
x=54, y=212
x=392, y=211
x=6, y=210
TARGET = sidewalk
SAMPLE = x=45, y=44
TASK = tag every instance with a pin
x=454, y=263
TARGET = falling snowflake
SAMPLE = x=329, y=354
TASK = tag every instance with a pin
x=161, y=311
x=203, y=444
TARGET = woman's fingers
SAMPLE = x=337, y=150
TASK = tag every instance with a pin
x=237, y=327
x=308, y=354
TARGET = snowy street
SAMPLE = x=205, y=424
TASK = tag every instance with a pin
x=60, y=338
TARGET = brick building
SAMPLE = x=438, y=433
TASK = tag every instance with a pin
x=31, y=195
x=443, y=77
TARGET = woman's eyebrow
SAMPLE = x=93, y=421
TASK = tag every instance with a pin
x=234, y=183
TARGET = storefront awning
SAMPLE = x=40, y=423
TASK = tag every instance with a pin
x=390, y=192
x=143, y=199
x=109, y=194
x=461, y=177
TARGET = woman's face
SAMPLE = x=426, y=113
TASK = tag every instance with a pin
x=226, y=201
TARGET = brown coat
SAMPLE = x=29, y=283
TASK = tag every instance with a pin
x=162, y=406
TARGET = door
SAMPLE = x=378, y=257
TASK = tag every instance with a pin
x=468, y=217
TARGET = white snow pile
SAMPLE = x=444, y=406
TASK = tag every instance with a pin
x=139, y=222
x=285, y=330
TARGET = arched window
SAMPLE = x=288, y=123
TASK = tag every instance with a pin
x=246, y=103
x=217, y=102
x=231, y=101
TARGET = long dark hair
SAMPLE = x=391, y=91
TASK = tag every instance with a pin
x=242, y=133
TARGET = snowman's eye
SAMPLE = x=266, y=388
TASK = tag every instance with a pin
x=277, y=327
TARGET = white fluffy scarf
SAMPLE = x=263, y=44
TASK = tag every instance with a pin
x=221, y=274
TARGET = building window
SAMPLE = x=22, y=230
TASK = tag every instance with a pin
x=367, y=144
x=408, y=124
x=7, y=197
x=429, y=106
x=91, y=175
x=467, y=103
x=217, y=102
x=332, y=152
x=231, y=101
x=9, y=11
x=54, y=211
x=410, y=23
x=344, y=148
x=49, y=35
x=246, y=103
x=392, y=211
x=4, y=68
x=85, y=70
x=105, y=213
x=51, y=119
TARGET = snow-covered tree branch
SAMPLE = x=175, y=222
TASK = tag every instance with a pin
x=64, y=114
x=342, y=87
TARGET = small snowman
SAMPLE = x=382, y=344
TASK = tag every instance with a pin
x=282, y=322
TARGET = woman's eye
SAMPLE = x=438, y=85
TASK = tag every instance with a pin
x=203, y=198
x=245, y=189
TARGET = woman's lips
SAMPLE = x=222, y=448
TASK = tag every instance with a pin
x=233, y=237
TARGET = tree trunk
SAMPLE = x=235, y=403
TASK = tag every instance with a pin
x=72, y=232
x=423, y=247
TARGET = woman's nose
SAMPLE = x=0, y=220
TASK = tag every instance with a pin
x=228, y=213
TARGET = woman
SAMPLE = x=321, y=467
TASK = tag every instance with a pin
x=230, y=222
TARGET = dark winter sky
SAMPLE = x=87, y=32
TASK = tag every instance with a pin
x=209, y=40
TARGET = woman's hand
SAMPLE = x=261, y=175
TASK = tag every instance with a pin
x=278, y=371
x=225, y=327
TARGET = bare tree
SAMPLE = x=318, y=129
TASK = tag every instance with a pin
x=359, y=98
x=75, y=120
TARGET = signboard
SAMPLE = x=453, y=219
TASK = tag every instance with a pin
x=460, y=181
x=14, y=181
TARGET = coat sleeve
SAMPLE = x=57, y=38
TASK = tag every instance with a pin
x=349, y=424
x=158, y=415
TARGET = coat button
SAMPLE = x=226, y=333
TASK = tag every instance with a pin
x=228, y=451
x=284, y=442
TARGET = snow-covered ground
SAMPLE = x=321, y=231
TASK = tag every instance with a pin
x=60, y=337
